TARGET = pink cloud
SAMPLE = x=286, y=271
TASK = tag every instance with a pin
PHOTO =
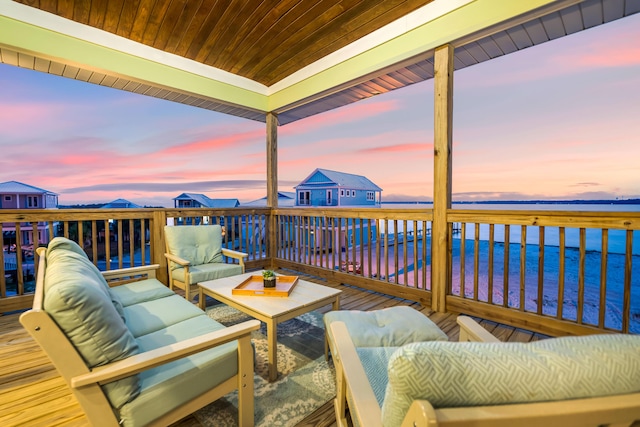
x=223, y=142
x=397, y=148
x=347, y=114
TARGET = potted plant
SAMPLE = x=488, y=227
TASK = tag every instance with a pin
x=269, y=279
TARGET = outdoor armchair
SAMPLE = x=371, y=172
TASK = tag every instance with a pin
x=195, y=254
x=569, y=381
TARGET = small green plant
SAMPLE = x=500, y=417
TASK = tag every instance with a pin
x=268, y=273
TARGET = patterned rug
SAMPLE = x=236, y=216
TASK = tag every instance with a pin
x=305, y=380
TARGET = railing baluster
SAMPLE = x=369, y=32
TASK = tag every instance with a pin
x=523, y=266
x=603, y=278
x=561, y=271
x=476, y=260
x=540, y=270
x=507, y=257
x=463, y=260
x=626, y=305
x=581, y=265
x=490, y=266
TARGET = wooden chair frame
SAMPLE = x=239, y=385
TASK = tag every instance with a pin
x=353, y=386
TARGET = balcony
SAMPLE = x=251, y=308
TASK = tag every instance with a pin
x=563, y=273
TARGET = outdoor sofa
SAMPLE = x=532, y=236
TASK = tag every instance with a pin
x=135, y=354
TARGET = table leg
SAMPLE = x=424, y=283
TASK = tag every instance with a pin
x=272, y=340
x=202, y=299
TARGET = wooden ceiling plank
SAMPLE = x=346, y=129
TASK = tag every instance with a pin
x=304, y=42
x=197, y=23
x=65, y=8
x=235, y=34
x=81, y=11
x=229, y=27
x=355, y=27
x=128, y=15
x=283, y=40
x=97, y=13
x=182, y=25
x=145, y=7
x=155, y=20
x=112, y=17
x=171, y=17
x=210, y=33
x=244, y=51
x=233, y=48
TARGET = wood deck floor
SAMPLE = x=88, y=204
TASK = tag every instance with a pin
x=33, y=394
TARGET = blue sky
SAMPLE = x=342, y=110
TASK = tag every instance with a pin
x=555, y=121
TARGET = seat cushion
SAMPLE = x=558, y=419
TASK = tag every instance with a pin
x=140, y=291
x=388, y=327
x=78, y=299
x=172, y=385
x=156, y=315
x=198, y=244
x=470, y=374
x=201, y=273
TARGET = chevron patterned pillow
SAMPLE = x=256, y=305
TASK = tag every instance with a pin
x=449, y=374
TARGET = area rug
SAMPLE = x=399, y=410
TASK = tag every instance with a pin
x=305, y=380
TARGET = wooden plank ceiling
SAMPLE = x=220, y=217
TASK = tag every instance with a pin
x=263, y=40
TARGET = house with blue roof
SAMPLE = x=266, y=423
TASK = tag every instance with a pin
x=330, y=188
x=121, y=204
x=197, y=200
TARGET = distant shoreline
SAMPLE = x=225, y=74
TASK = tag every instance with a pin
x=527, y=202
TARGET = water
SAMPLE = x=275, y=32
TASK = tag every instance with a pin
x=617, y=238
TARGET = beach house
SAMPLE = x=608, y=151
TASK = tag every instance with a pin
x=282, y=62
x=196, y=200
x=325, y=187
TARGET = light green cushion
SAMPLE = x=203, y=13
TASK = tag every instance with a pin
x=78, y=301
x=471, y=374
x=388, y=327
x=155, y=315
x=375, y=361
x=198, y=244
x=61, y=246
x=168, y=387
x=204, y=272
x=140, y=291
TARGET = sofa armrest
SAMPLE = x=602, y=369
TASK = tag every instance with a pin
x=363, y=404
x=171, y=257
x=160, y=356
x=146, y=270
x=470, y=330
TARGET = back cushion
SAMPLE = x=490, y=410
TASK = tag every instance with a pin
x=79, y=301
x=449, y=374
x=198, y=244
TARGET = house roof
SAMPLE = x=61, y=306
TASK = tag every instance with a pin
x=208, y=202
x=120, y=204
x=285, y=199
x=288, y=57
x=15, y=187
x=339, y=179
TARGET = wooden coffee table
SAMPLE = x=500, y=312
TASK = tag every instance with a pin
x=304, y=298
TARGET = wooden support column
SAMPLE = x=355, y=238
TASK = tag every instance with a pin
x=272, y=184
x=442, y=173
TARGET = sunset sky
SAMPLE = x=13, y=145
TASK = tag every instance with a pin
x=557, y=121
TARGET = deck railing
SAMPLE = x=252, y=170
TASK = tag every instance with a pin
x=560, y=272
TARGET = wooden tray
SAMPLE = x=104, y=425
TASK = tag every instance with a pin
x=255, y=286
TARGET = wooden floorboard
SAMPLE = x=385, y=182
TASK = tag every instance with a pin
x=33, y=394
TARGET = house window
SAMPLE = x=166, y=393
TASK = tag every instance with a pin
x=353, y=193
x=370, y=196
x=329, y=198
x=342, y=193
x=32, y=201
x=304, y=198
x=7, y=198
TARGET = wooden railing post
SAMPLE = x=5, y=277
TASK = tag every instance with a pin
x=157, y=244
x=272, y=186
x=442, y=173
